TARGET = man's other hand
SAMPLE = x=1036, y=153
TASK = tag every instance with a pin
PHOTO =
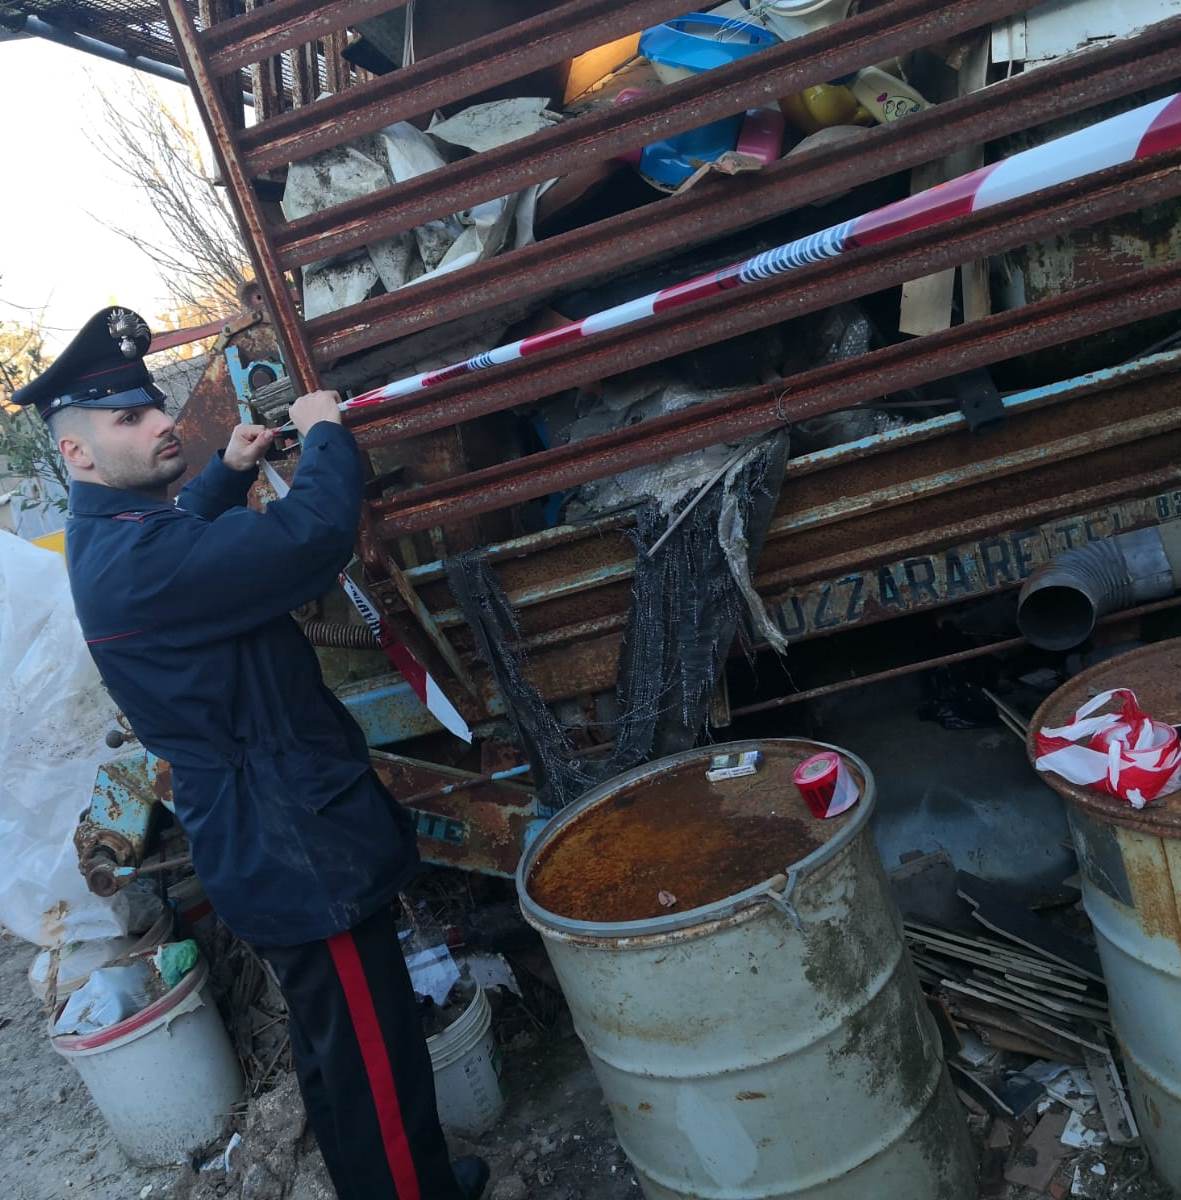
x=248, y=443
x=313, y=408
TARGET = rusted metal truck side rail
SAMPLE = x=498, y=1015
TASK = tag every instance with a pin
x=702, y=214
x=951, y=501
x=918, y=518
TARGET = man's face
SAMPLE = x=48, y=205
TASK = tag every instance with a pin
x=134, y=449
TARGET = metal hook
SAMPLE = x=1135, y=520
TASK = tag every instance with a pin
x=782, y=900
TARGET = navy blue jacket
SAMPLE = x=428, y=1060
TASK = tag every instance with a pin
x=185, y=610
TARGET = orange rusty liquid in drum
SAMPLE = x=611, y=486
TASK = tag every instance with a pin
x=679, y=835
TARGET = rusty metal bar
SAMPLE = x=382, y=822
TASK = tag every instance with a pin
x=247, y=208
x=248, y=211
x=170, y=338
x=246, y=205
x=857, y=273
x=845, y=685
x=281, y=25
x=229, y=90
x=266, y=79
x=426, y=620
x=1051, y=322
x=942, y=660
x=757, y=79
x=305, y=75
x=463, y=70
x=1080, y=81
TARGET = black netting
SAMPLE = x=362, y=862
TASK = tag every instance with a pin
x=137, y=26
x=686, y=610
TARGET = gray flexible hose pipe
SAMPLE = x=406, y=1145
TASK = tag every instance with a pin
x=1062, y=600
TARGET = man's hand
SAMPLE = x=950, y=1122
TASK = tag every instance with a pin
x=313, y=408
x=248, y=443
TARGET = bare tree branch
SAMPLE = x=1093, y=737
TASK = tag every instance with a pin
x=202, y=261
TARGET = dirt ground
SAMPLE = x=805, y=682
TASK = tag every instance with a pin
x=554, y=1140
x=53, y=1142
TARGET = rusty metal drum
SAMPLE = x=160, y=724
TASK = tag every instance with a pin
x=736, y=970
x=1130, y=864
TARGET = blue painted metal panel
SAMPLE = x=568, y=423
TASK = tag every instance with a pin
x=388, y=711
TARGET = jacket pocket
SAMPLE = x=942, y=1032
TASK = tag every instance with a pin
x=315, y=773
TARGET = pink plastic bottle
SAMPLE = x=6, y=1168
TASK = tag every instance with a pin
x=762, y=134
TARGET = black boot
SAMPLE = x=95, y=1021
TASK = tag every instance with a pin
x=471, y=1173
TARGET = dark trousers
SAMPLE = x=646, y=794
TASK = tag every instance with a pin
x=362, y=1064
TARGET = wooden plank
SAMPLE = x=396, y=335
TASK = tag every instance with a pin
x=1025, y=1010
x=1030, y=1004
x=1001, y=963
x=926, y=303
x=1113, y=1100
x=1016, y=924
x=1091, y=1011
x=974, y=287
x=988, y=1014
x=1036, y=984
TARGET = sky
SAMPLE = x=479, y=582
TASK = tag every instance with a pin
x=55, y=253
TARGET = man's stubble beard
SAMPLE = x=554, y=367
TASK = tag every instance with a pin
x=133, y=475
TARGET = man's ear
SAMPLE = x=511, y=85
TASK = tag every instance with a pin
x=75, y=453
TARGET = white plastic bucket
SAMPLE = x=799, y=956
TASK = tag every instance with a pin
x=164, y=1079
x=795, y=18
x=467, y=1078
x=78, y=959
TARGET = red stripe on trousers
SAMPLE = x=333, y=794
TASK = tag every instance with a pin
x=376, y=1057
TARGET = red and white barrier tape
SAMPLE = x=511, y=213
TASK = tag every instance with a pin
x=400, y=656
x=826, y=784
x=1126, y=754
x=1145, y=131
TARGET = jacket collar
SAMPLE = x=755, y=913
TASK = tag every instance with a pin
x=98, y=500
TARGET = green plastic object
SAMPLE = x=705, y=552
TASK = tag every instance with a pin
x=175, y=960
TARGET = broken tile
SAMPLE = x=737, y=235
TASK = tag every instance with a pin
x=1078, y=1135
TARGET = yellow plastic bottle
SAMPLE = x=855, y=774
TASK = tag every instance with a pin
x=822, y=106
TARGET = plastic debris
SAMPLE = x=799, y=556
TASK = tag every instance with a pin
x=433, y=973
x=1127, y=754
x=54, y=713
x=175, y=960
x=495, y=123
x=110, y=995
x=490, y=971
x=225, y=1160
x=1079, y=1136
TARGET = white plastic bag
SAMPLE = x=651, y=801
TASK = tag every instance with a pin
x=53, y=715
x=110, y=995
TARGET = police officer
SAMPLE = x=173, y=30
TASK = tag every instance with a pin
x=299, y=847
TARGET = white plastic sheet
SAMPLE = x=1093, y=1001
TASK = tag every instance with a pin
x=53, y=715
x=110, y=995
x=398, y=153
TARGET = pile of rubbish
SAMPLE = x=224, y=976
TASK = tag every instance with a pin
x=398, y=153
x=1018, y=995
x=119, y=990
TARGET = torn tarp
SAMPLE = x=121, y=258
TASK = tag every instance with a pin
x=687, y=607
